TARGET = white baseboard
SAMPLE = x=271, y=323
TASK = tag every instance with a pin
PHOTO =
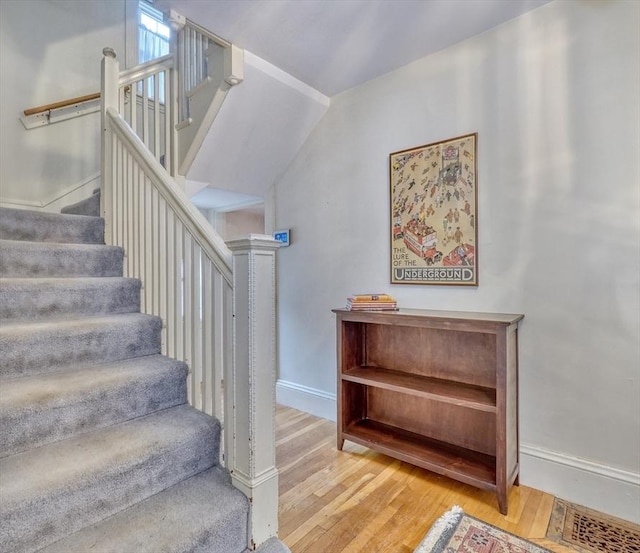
x=601, y=487
x=316, y=402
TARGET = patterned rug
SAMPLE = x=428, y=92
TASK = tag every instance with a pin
x=456, y=532
x=589, y=531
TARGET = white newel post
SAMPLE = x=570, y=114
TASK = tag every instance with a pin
x=250, y=389
x=110, y=77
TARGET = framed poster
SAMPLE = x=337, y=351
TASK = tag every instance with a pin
x=434, y=219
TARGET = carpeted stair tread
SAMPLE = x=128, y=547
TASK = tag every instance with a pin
x=99, y=451
x=88, y=206
x=57, y=489
x=273, y=545
x=39, y=259
x=201, y=514
x=28, y=348
x=36, y=411
x=40, y=226
x=40, y=298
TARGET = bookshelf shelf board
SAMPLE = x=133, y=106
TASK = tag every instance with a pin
x=464, y=395
x=470, y=467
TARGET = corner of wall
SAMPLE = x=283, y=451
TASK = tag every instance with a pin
x=316, y=402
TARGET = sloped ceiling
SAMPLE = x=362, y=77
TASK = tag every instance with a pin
x=302, y=52
x=334, y=45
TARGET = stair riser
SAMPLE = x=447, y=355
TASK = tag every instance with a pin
x=33, y=259
x=34, y=415
x=69, y=504
x=47, y=348
x=43, y=299
x=16, y=224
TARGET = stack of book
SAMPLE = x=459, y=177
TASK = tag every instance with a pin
x=371, y=302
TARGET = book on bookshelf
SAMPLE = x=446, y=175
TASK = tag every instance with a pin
x=378, y=308
x=357, y=298
x=371, y=302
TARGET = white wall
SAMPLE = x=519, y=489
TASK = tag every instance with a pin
x=553, y=96
x=236, y=224
x=242, y=222
x=50, y=50
x=261, y=125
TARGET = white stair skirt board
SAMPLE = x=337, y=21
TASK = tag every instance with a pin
x=310, y=400
x=58, y=199
x=597, y=486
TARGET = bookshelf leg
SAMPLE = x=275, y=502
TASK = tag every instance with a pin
x=340, y=443
x=502, y=502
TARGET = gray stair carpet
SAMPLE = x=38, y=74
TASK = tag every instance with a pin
x=32, y=259
x=40, y=226
x=99, y=450
x=88, y=206
x=41, y=298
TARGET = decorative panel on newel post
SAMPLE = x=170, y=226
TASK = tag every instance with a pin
x=250, y=388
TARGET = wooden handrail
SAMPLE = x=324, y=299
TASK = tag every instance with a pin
x=62, y=104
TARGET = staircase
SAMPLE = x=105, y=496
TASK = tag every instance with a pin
x=99, y=450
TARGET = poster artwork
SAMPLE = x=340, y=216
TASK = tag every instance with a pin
x=434, y=226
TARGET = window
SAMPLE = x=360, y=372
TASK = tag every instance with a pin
x=153, y=42
x=153, y=33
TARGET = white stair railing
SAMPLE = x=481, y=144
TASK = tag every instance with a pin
x=185, y=268
x=144, y=100
x=208, y=67
x=217, y=304
x=172, y=101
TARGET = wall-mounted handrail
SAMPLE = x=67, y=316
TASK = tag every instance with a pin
x=62, y=104
x=126, y=77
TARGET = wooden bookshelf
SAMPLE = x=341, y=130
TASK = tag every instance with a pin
x=437, y=389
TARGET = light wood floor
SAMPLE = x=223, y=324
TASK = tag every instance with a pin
x=357, y=500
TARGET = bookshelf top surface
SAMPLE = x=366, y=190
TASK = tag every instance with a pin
x=498, y=318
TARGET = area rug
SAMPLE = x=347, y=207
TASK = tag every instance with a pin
x=589, y=531
x=457, y=532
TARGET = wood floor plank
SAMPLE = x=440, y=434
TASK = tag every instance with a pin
x=357, y=500
x=368, y=533
x=309, y=427
x=541, y=522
